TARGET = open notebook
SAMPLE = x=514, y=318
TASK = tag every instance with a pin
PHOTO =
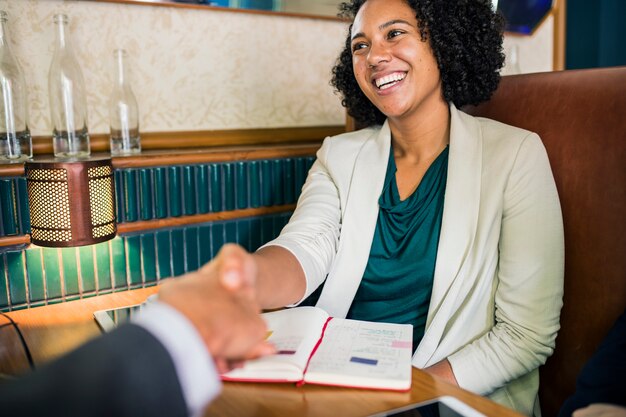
x=317, y=349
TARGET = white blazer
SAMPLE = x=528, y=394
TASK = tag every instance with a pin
x=498, y=282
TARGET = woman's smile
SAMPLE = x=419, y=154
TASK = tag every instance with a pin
x=384, y=82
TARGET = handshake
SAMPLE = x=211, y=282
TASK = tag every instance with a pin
x=220, y=301
x=168, y=361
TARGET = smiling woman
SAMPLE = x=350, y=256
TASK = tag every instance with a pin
x=429, y=216
x=323, y=9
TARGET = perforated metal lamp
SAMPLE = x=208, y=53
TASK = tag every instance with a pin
x=71, y=202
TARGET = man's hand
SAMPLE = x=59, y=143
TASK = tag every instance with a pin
x=219, y=299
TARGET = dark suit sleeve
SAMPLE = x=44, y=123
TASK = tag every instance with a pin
x=127, y=372
x=602, y=378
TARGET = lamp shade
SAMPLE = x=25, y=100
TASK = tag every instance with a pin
x=71, y=202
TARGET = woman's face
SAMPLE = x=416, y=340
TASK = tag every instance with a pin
x=394, y=68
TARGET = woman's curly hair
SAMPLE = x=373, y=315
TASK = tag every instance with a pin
x=466, y=39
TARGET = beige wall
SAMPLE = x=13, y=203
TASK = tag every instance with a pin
x=535, y=52
x=200, y=69
x=191, y=69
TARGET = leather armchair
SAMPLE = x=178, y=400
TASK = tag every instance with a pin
x=581, y=118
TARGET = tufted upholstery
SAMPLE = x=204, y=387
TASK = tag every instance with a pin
x=581, y=118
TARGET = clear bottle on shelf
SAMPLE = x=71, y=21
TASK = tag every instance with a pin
x=68, y=104
x=15, y=139
x=123, y=110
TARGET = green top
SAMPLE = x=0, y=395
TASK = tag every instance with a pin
x=398, y=278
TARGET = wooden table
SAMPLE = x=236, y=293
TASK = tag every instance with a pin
x=52, y=330
x=55, y=329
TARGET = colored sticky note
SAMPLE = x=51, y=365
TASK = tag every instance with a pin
x=364, y=361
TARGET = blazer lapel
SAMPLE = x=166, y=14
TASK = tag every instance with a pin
x=359, y=223
x=458, y=228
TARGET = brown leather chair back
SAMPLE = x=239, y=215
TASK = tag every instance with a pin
x=581, y=118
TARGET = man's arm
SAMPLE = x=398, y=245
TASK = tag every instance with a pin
x=124, y=373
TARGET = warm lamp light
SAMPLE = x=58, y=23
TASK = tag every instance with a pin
x=71, y=202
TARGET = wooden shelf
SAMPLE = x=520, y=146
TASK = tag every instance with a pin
x=200, y=218
x=177, y=148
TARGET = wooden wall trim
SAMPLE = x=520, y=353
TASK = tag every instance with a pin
x=42, y=145
x=12, y=170
x=232, y=153
x=171, y=222
x=14, y=240
x=140, y=226
x=171, y=148
x=558, y=58
x=225, y=9
x=194, y=156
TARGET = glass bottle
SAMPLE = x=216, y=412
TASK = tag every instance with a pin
x=15, y=139
x=123, y=111
x=68, y=105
